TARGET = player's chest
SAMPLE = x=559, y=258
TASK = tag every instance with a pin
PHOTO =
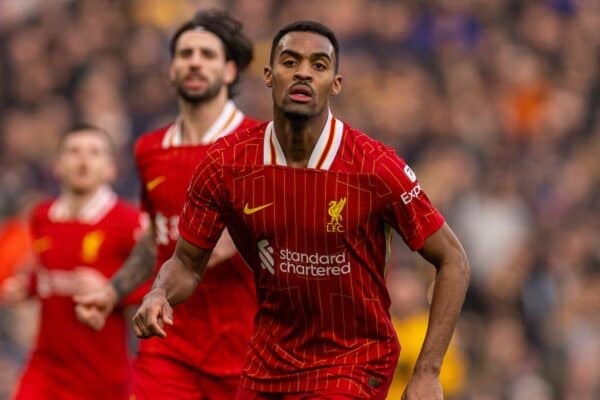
x=69, y=245
x=319, y=205
x=166, y=176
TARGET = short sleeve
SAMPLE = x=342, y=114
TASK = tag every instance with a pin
x=406, y=207
x=200, y=222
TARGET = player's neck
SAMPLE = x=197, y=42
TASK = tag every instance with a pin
x=198, y=118
x=298, y=137
x=76, y=201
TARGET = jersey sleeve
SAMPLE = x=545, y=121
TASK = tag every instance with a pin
x=201, y=222
x=406, y=207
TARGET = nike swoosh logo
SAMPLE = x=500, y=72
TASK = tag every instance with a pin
x=151, y=185
x=249, y=211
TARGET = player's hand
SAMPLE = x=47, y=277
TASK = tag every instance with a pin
x=423, y=386
x=152, y=316
x=88, y=280
x=93, y=308
x=14, y=289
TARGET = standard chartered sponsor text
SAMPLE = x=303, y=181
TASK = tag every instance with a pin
x=314, y=264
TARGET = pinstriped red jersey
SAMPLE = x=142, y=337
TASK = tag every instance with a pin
x=212, y=329
x=317, y=239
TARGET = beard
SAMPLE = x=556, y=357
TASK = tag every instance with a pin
x=211, y=91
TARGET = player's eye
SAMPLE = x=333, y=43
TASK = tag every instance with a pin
x=288, y=63
x=320, y=66
x=186, y=53
x=209, y=54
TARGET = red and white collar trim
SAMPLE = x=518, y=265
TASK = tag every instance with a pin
x=92, y=212
x=229, y=119
x=322, y=155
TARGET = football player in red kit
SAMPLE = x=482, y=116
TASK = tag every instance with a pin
x=202, y=356
x=310, y=203
x=81, y=238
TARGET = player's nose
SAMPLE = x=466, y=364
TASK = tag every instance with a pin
x=303, y=72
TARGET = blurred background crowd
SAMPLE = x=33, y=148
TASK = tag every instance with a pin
x=494, y=103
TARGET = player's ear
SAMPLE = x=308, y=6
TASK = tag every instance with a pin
x=268, y=76
x=229, y=73
x=336, y=88
x=171, y=73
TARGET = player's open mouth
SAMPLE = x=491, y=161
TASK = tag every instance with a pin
x=194, y=82
x=301, y=93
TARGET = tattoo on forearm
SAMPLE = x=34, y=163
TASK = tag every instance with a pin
x=137, y=268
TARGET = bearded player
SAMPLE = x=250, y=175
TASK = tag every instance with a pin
x=201, y=357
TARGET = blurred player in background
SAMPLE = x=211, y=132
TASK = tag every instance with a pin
x=202, y=356
x=81, y=238
x=310, y=203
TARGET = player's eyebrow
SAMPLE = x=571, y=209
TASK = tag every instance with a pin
x=295, y=54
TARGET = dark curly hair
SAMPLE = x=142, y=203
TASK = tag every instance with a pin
x=238, y=47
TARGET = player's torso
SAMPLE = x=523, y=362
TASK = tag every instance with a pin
x=314, y=237
x=74, y=257
x=317, y=242
x=314, y=243
x=214, y=325
x=165, y=174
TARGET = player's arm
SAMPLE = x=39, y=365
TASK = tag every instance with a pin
x=176, y=281
x=94, y=307
x=224, y=250
x=445, y=252
x=137, y=269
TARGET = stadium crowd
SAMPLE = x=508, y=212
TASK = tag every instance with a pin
x=495, y=104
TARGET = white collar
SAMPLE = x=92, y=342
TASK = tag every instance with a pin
x=92, y=211
x=229, y=119
x=322, y=155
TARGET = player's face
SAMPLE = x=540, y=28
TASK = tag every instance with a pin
x=303, y=75
x=199, y=70
x=85, y=162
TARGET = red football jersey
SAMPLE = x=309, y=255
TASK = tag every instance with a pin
x=212, y=328
x=77, y=360
x=317, y=239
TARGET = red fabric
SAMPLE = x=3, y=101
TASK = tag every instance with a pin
x=69, y=358
x=323, y=319
x=211, y=329
x=244, y=394
x=158, y=378
x=38, y=384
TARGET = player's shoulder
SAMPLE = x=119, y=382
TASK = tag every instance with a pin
x=247, y=123
x=40, y=210
x=150, y=140
x=125, y=208
x=125, y=213
x=241, y=143
x=372, y=152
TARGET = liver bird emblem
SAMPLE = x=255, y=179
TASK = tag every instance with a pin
x=335, y=210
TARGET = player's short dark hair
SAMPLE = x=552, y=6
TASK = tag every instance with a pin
x=84, y=126
x=238, y=47
x=307, y=26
